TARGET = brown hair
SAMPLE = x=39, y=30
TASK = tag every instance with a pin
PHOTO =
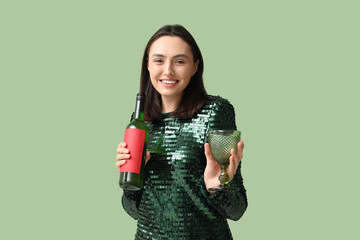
x=194, y=94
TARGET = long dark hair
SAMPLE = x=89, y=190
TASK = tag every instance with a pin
x=194, y=94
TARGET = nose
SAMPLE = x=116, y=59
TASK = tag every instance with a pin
x=169, y=69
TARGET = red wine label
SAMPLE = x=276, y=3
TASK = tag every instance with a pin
x=134, y=139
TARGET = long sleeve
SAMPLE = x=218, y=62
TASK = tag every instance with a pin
x=231, y=205
x=130, y=202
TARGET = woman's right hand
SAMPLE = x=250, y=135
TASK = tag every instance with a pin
x=123, y=154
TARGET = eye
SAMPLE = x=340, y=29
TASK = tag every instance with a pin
x=158, y=61
x=180, y=61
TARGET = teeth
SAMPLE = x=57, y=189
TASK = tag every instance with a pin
x=168, y=82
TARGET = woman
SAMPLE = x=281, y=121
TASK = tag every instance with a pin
x=174, y=202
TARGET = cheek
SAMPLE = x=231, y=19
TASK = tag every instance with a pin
x=152, y=80
x=153, y=76
x=189, y=74
x=153, y=71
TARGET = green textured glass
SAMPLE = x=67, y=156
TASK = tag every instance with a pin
x=221, y=142
x=129, y=180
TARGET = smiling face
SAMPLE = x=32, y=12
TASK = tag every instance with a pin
x=171, y=66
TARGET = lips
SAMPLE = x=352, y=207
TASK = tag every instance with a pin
x=169, y=82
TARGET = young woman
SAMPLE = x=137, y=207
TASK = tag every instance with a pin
x=174, y=202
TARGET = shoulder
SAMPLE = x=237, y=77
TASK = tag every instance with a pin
x=217, y=103
x=220, y=113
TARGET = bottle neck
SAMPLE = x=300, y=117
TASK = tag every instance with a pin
x=139, y=109
x=139, y=116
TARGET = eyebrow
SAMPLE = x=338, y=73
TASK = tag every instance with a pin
x=176, y=56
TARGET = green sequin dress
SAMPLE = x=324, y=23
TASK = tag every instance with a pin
x=174, y=203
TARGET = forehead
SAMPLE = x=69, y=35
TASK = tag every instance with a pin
x=168, y=45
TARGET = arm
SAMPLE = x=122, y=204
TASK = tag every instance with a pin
x=130, y=202
x=231, y=205
x=130, y=199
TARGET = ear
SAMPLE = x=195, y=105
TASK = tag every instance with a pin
x=196, y=67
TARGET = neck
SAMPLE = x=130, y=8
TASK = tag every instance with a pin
x=169, y=104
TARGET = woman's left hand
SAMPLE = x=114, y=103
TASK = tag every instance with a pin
x=212, y=170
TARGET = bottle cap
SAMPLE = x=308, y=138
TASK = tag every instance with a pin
x=140, y=96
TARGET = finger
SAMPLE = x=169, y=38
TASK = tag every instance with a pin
x=241, y=145
x=120, y=163
x=122, y=150
x=232, y=167
x=233, y=153
x=120, y=157
x=208, y=154
x=235, y=157
x=148, y=156
x=210, y=161
x=240, y=150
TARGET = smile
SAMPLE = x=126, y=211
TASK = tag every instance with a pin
x=169, y=83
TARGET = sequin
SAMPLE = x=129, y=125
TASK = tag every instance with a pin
x=174, y=203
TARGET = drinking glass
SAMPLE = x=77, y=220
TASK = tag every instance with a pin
x=221, y=142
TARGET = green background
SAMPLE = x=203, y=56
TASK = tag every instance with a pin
x=69, y=75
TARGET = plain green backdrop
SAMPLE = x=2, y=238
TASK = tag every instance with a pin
x=69, y=74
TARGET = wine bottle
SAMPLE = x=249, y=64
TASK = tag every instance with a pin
x=135, y=137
